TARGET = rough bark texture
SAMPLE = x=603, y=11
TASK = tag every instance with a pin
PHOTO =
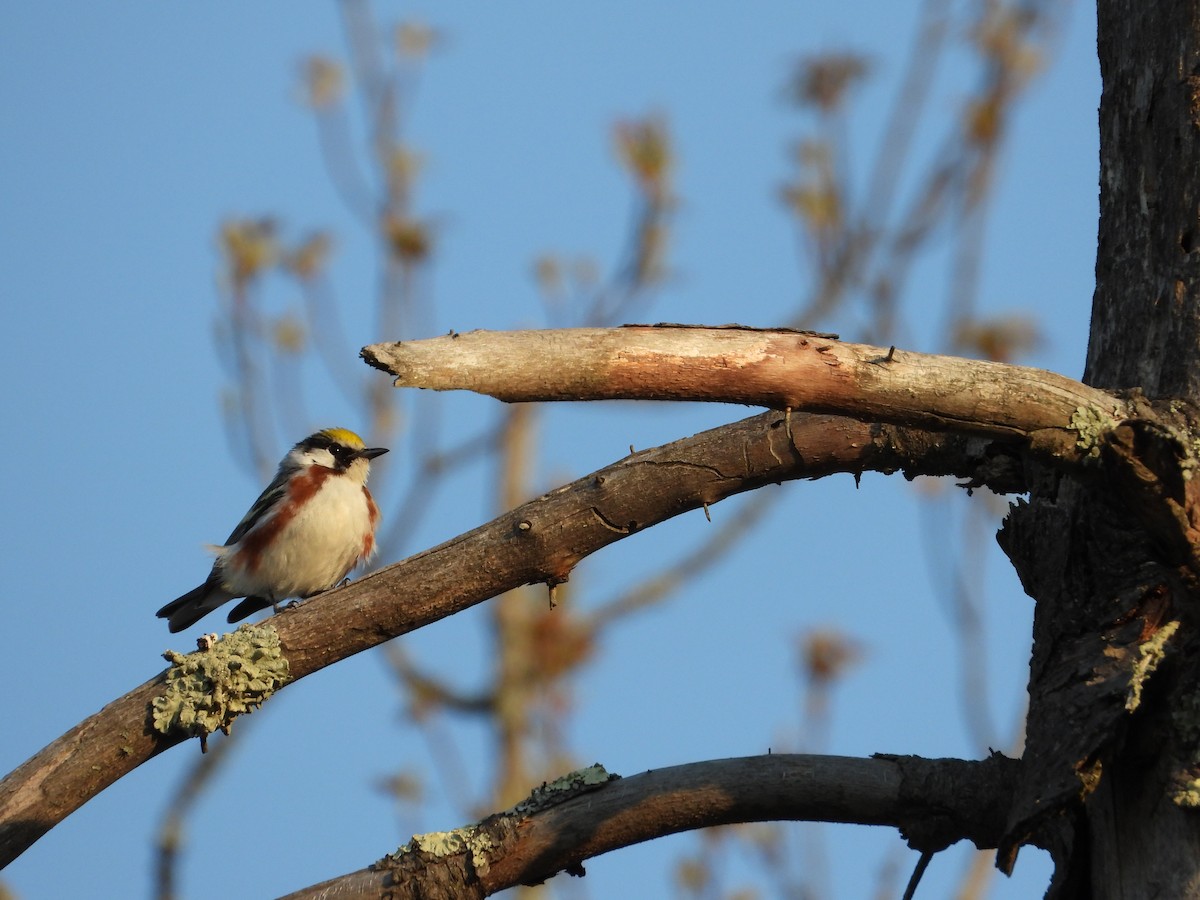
x=1111, y=730
x=1145, y=328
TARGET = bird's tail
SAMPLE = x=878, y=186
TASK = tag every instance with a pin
x=193, y=606
x=248, y=607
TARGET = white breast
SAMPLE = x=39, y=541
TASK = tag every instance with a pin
x=317, y=548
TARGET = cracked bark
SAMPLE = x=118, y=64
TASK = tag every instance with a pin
x=1098, y=779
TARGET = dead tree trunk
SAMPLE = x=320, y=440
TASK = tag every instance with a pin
x=1110, y=783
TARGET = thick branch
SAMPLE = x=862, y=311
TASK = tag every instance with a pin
x=540, y=541
x=933, y=802
x=778, y=369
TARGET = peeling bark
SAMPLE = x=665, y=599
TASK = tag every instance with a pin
x=775, y=368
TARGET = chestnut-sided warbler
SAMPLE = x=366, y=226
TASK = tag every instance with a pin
x=313, y=524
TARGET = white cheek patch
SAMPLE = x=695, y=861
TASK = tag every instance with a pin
x=320, y=457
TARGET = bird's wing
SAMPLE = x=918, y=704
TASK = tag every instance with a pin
x=274, y=492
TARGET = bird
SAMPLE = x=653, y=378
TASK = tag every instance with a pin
x=312, y=525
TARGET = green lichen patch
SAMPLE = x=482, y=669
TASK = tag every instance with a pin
x=1091, y=424
x=1151, y=652
x=1189, y=453
x=1186, y=793
x=552, y=793
x=206, y=690
x=472, y=839
x=484, y=838
x=446, y=843
x=1185, y=717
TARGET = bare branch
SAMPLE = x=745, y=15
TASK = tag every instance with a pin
x=933, y=802
x=540, y=541
x=778, y=369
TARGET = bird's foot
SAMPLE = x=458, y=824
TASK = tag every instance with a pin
x=334, y=587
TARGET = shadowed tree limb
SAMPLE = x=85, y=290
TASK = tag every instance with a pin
x=934, y=803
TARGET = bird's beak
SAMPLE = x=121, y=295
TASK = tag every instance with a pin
x=371, y=452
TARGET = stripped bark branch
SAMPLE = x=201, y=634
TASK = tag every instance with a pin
x=778, y=369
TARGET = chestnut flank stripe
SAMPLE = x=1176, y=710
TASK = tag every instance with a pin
x=373, y=516
x=301, y=489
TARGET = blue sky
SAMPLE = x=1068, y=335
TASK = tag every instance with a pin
x=133, y=130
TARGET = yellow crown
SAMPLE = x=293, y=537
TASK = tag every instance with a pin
x=343, y=436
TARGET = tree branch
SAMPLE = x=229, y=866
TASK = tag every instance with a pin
x=778, y=369
x=541, y=541
x=934, y=803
